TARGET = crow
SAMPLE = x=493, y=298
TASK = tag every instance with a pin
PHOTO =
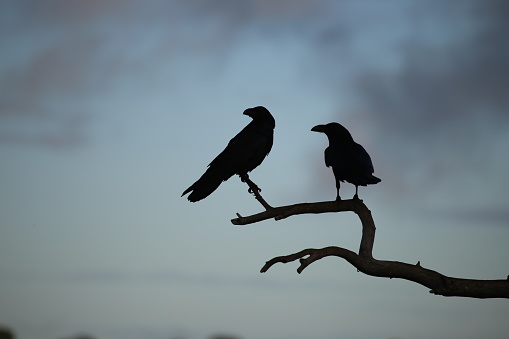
x=243, y=153
x=349, y=161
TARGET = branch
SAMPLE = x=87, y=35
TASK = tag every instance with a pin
x=364, y=262
x=354, y=205
x=437, y=283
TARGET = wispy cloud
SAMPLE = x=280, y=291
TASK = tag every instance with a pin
x=438, y=110
x=482, y=216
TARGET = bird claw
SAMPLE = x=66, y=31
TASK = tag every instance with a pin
x=258, y=189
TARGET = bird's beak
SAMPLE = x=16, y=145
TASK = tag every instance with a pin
x=248, y=113
x=318, y=128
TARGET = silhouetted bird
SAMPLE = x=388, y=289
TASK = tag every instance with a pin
x=242, y=154
x=349, y=161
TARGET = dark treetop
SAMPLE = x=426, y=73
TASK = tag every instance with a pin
x=242, y=154
x=349, y=161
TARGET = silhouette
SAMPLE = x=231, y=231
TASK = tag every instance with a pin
x=349, y=161
x=242, y=154
x=6, y=333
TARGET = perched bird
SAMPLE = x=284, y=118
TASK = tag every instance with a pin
x=242, y=154
x=349, y=161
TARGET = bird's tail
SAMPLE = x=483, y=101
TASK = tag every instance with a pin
x=204, y=186
x=374, y=180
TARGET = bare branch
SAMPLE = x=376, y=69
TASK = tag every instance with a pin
x=354, y=205
x=310, y=255
x=283, y=212
x=364, y=262
x=439, y=284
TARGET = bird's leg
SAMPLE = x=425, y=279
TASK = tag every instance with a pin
x=356, y=196
x=251, y=184
x=255, y=190
x=338, y=198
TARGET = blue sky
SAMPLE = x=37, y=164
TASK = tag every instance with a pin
x=110, y=109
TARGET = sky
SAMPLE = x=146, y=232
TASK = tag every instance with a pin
x=109, y=110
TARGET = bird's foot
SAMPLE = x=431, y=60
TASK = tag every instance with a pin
x=250, y=183
x=356, y=197
x=258, y=189
x=338, y=198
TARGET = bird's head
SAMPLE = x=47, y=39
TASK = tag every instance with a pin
x=333, y=130
x=260, y=113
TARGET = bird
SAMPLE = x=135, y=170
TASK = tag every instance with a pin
x=349, y=161
x=244, y=152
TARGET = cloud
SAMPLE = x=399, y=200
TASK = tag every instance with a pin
x=440, y=82
x=50, y=131
x=47, y=76
x=439, y=115
x=62, y=58
x=480, y=216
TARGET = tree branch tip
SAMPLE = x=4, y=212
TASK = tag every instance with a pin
x=238, y=215
x=418, y=264
x=236, y=221
x=279, y=217
x=435, y=292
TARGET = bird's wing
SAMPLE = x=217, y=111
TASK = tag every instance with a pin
x=242, y=154
x=362, y=158
x=350, y=157
x=247, y=145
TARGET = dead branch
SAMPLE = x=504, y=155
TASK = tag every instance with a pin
x=438, y=284
x=255, y=190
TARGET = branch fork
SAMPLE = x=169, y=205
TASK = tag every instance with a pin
x=438, y=284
